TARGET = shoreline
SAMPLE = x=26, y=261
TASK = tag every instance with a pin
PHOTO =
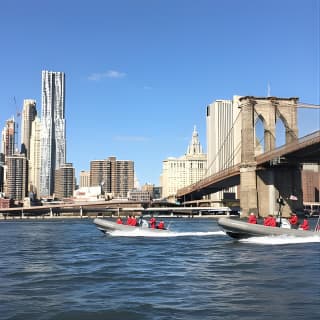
x=93, y=216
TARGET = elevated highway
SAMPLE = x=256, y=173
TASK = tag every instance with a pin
x=78, y=207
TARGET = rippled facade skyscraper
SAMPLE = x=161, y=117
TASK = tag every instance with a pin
x=53, y=133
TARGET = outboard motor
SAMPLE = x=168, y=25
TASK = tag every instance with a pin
x=144, y=224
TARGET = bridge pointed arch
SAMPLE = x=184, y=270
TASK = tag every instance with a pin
x=280, y=132
x=259, y=146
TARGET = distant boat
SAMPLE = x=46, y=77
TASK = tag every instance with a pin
x=107, y=226
x=238, y=229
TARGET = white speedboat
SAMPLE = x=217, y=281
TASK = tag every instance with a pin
x=238, y=229
x=107, y=226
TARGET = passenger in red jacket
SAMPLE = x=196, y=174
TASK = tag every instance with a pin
x=305, y=224
x=133, y=221
x=119, y=221
x=161, y=225
x=129, y=219
x=270, y=221
x=252, y=218
x=273, y=222
x=153, y=222
x=266, y=221
x=293, y=220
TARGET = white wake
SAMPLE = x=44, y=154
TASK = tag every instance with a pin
x=281, y=240
x=163, y=234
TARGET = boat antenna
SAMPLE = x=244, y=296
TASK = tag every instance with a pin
x=281, y=203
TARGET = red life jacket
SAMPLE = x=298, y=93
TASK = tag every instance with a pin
x=266, y=221
x=305, y=225
x=273, y=222
x=270, y=222
x=153, y=222
x=161, y=225
x=252, y=219
x=293, y=220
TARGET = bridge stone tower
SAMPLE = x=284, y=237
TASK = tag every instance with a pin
x=259, y=189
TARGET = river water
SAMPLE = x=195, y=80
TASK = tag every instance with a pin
x=67, y=269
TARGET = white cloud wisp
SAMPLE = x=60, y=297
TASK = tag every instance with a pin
x=113, y=74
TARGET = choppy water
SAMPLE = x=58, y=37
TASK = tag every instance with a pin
x=67, y=269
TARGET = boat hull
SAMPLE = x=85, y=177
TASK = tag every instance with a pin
x=242, y=230
x=107, y=226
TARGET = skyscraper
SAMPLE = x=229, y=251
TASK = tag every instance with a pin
x=84, y=178
x=17, y=177
x=64, y=181
x=188, y=169
x=123, y=176
x=34, y=157
x=53, y=137
x=8, y=138
x=115, y=177
x=29, y=113
x=223, y=137
x=1, y=173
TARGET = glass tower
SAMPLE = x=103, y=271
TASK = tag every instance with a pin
x=223, y=138
x=53, y=133
x=8, y=138
x=29, y=113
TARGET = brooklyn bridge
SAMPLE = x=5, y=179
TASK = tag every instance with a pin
x=275, y=173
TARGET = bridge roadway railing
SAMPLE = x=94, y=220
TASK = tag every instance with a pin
x=303, y=142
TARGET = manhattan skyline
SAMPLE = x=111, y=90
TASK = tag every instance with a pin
x=140, y=74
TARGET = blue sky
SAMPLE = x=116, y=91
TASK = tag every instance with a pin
x=139, y=74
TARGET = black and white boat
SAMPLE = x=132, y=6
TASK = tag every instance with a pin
x=238, y=229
